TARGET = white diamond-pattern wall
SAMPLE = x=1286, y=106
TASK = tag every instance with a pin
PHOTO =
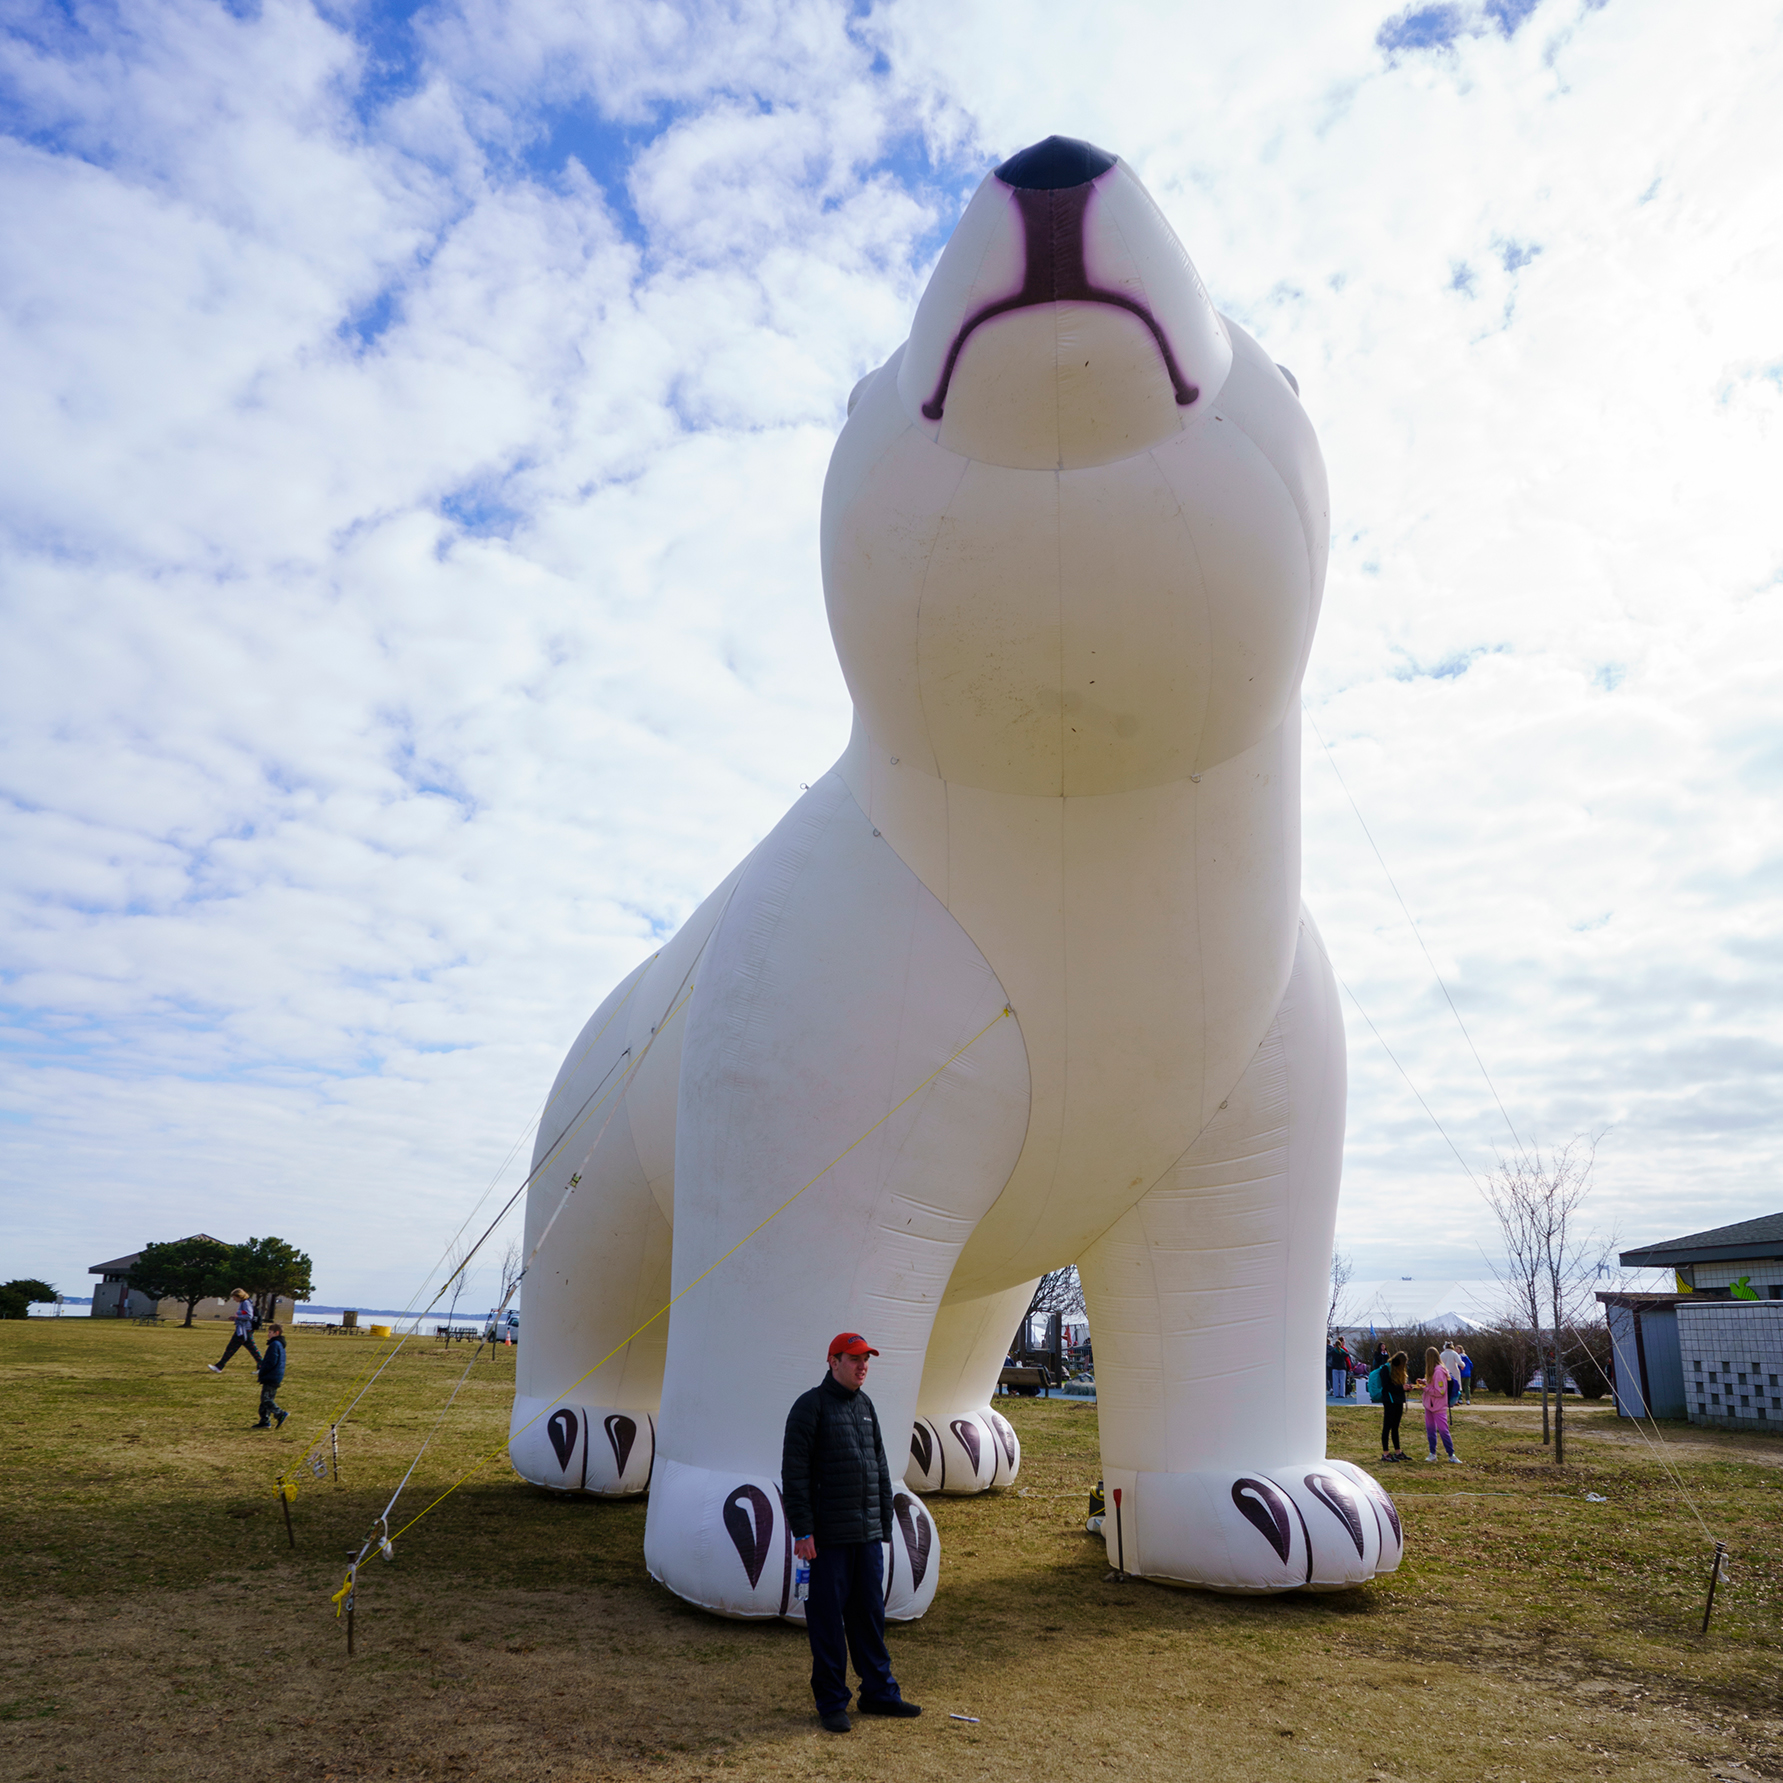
x=1732, y=1353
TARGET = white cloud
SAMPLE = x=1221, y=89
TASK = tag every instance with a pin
x=409, y=497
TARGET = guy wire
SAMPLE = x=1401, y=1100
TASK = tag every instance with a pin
x=1416, y=931
x=351, y=1396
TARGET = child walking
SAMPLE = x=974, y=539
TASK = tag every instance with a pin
x=272, y=1372
x=1392, y=1406
x=1436, y=1405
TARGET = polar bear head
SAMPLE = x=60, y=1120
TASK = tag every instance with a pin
x=1074, y=531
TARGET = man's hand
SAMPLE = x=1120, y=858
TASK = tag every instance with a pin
x=806, y=1547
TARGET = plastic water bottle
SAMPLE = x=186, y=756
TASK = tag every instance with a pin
x=801, y=1579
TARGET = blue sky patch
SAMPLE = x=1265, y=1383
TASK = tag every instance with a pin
x=478, y=508
x=364, y=326
x=1507, y=15
x=1450, y=668
x=1423, y=28
x=1438, y=27
x=394, y=62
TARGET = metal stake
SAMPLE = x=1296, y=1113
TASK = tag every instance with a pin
x=1716, y=1572
x=334, y=1448
x=285, y=1501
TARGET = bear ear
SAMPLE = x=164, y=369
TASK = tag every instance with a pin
x=860, y=389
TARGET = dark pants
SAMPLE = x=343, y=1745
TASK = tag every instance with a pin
x=268, y=1410
x=845, y=1618
x=1390, y=1415
x=238, y=1342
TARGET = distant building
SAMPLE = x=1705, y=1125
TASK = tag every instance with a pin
x=1711, y=1349
x=114, y=1298
x=1417, y=1303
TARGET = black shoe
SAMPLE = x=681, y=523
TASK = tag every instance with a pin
x=263, y=1425
x=836, y=1721
x=895, y=1706
x=281, y=1419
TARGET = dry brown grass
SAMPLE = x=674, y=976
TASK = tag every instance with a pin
x=160, y=1627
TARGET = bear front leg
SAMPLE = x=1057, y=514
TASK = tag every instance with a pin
x=1207, y=1306
x=598, y=1246
x=961, y=1443
x=853, y=1097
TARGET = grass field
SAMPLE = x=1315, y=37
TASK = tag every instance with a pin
x=160, y=1627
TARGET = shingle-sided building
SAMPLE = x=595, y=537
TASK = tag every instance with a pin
x=1710, y=1349
x=114, y=1298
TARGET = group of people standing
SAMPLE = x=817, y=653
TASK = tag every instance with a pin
x=270, y=1368
x=1447, y=1378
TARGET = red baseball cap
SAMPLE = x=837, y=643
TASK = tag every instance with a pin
x=851, y=1343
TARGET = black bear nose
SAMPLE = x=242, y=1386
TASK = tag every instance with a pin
x=1051, y=165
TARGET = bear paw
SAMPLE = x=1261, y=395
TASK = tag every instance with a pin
x=1319, y=1526
x=582, y=1448
x=721, y=1540
x=963, y=1452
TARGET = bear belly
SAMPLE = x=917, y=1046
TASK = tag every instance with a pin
x=1145, y=940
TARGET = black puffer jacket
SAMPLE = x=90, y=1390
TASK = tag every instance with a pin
x=832, y=1468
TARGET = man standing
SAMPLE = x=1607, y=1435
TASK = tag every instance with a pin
x=1451, y=1360
x=839, y=1493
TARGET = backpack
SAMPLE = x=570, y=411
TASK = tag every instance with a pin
x=1375, y=1391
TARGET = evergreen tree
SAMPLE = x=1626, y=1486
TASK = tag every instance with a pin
x=18, y=1297
x=269, y=1268
x=185, y=1269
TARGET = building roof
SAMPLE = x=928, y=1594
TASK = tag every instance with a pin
x=1746, y=1239
x=122, y=1265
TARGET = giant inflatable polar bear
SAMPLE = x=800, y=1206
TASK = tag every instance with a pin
x=1074, y=539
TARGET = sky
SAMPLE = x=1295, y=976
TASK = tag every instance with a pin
x=414, y=426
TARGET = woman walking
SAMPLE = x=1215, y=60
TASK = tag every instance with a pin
x=1436, y=1405
x=1392, y=1406
x=243, y=1339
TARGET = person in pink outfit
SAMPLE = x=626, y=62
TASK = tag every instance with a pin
x=1436, y=1405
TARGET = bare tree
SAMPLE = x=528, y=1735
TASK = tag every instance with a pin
x=513, y=1265
x=1342, y=1268
x=458, y=1268
x=1551, y=1261
x=1058, y=1291
x=1513, y=1195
